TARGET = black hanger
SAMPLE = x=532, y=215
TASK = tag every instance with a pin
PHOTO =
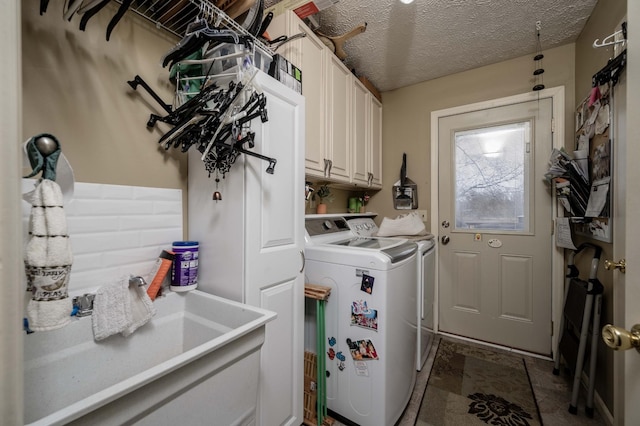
x=195, y=40
x=611, y=71
x=116, y=18
x=43, y=6
x=89, y=13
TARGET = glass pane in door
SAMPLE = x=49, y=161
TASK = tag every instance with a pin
x=491, y=178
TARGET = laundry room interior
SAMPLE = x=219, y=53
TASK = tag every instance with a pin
x=319, y=212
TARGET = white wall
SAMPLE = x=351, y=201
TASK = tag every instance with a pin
x=115, y=231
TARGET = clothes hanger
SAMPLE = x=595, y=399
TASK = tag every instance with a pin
x=193, y=42
x=198, y=34
x=89, y=13
x=87, y=4
x=124, y=6
x=611, y=39
x=43, y=6
x=71, y=8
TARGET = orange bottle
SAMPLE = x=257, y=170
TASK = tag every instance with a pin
x=159, y=272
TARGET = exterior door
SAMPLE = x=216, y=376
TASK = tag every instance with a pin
x=495, y=269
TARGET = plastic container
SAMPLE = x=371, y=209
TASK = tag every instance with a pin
x=184, y=276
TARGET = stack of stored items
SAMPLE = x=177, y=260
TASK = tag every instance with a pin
x=572, y=182
x=580, y=322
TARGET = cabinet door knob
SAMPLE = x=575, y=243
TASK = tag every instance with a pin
x=304, y=260
x=326, y=166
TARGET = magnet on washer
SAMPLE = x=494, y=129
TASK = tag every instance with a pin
x=331, y=353
x=332, y=341
x=341, y=365
x=340, y=356
x=351, y=344
x=367, y=283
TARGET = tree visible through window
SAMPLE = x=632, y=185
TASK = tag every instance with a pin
x=490, y=177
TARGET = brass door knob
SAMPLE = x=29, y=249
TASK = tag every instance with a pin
x=610, y=264
x=619, y=339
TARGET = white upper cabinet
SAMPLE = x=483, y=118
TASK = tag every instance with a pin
x=375, y=141
x=366, y=138
x=360, y=108
x=310, y=55
x=341, y=144
x=338, y=120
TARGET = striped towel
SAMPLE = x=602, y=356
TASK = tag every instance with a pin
x=48, y=259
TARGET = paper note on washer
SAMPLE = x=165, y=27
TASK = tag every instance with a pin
x=563, y=233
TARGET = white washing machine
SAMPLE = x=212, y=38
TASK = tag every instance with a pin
x=370, y=348
x=425, y=288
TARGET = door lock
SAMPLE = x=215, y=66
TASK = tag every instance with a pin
x=621, y=264
x=618, y=338
x=445, y=239
x=445, y=223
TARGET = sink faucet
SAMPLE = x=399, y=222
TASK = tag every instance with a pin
x=137, y=281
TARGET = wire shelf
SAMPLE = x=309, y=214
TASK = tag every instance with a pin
x=175, y=15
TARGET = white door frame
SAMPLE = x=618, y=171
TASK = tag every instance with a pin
x=557, y=260
x=11, y=334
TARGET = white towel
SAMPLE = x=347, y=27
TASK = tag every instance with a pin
x=111, y=309
x=142, y=309
x=48, y=259
x=409, y=224
x=120, y=308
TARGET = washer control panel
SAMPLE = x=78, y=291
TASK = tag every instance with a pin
x=325, y=226
x=363, y=226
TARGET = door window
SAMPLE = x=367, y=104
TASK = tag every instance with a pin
x=491, y=178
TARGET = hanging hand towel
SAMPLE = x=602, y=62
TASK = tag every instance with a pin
x=142, y=308
x=111, y=310
x=48, y=259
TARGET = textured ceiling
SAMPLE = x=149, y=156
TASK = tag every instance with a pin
x=409, y=43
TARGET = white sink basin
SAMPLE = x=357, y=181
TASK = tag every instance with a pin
x=197, y=359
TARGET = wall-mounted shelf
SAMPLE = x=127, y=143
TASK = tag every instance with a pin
x=175, y=15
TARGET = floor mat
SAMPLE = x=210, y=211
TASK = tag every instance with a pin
x=469, y=385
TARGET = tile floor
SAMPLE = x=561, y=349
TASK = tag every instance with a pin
x=553, y=394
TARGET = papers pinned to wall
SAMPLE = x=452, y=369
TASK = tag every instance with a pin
x=563, y=233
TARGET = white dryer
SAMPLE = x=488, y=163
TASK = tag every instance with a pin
x=371, y=345
x=425, y=284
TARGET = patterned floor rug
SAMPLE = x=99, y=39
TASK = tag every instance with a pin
x=470, y=385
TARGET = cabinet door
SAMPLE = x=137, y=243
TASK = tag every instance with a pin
x=310, y=55
x=274, y=242
x=360, y=151
x=339, y=86
x=313, y=55
x=375, y=137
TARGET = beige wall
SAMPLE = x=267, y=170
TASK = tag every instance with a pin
x=604, y=20
x=407, y=114
x=75, y=87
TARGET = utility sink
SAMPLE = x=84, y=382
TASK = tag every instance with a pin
x=197, y=360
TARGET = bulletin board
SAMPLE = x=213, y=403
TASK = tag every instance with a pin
x=594, y=131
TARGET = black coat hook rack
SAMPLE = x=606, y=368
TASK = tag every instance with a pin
x=611, y=71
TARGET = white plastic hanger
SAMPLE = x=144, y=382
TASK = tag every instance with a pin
x=611, y=39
